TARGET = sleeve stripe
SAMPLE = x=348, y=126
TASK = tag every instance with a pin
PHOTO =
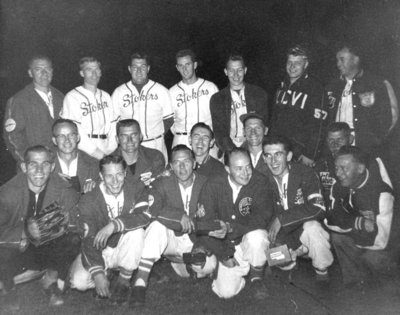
x=312, y=196
x=141, y=204
x=168, y=219
x=168, y=116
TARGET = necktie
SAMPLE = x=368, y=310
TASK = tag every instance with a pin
x=50, y=104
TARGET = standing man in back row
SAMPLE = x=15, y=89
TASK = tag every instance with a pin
x=92, y=111
x=190, y=98
x=31, y=112
x=362, y=100
x=300, y=110
x=146, y=101
x=232, y=102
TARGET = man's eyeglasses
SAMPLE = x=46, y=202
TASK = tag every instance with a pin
x=276, y=156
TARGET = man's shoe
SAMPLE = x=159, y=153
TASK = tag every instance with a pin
x=322, y=277
x=55, y=295
x=119, y=294
x=260, y=290
x=138, y=297
x=256, y=273
x=28, y=275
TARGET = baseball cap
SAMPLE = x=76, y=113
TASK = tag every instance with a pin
x=244, y=117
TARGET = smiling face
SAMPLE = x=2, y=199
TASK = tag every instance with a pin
x=187, y=69
x=66, y=138
x=129, y=138
x=349, y=172
x=235, y=71
x=254, y=130
x=296, y=66
x=182, y=164
x=37, y=168
x=41, y=72
x=139, y=70
x=113, y=175
x=277, y=159
x=239, y=169
x=91, y=73
x=201, y=141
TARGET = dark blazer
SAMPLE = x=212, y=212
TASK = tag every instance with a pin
x=149, y=160
x=14, y=200
x=27, y=120
x=168, y=207
x=220, y=107
x=88, y=168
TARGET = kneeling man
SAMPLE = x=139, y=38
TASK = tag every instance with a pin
x=299, y=207
x=113, y=216
x=360, y=215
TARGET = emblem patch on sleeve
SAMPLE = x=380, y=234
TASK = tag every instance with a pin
x=10, y=125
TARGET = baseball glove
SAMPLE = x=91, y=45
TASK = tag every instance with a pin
x=48, y=224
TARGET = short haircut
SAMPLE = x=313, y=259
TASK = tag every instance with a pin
x=228, y=155
x=186, y=52
x=38, y=57
x=127, y=123
x=181, y=147
x=86, y=60
x=339, y=126
x=298, y=50
x=358, y=155
x=60, y=121
x=235, y=57
x=202, y=125
x=140, y=55
x=112, y=159
x=38, y=149
x=352, y=47
x=278, y=139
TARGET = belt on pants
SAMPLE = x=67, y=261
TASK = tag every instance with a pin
x=97, y=136
x=151, y=139
x=181, y=133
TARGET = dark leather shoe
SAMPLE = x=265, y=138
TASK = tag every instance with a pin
x=138, y=297
x=119, y=294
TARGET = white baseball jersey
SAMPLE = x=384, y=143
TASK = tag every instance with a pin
x=191, y=104
x=95, y=117
x=149, y=107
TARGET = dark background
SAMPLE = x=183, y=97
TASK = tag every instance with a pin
x=261, y=30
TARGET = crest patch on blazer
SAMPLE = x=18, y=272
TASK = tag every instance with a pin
x=245, y=206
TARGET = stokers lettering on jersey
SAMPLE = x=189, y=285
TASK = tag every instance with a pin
x=245, y=206
x=237, y=105
x=293, y=98
x=91, y=108
x=127, y=98
x=186, y=97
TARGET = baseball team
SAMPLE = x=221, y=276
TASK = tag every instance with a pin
x=300, y=175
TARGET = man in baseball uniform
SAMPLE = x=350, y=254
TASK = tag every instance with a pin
x=202, y=139
x=233, y=101
x=31, y=112
x=254, y=132
x=299, y=207
x=113, y=216
x=71, y=164
x=146, y=101
x=92, y=111
x=173, y=204
x=190, y=98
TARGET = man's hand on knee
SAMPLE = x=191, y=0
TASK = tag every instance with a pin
x=102, y=285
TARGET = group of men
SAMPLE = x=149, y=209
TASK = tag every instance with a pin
x=102, y=160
